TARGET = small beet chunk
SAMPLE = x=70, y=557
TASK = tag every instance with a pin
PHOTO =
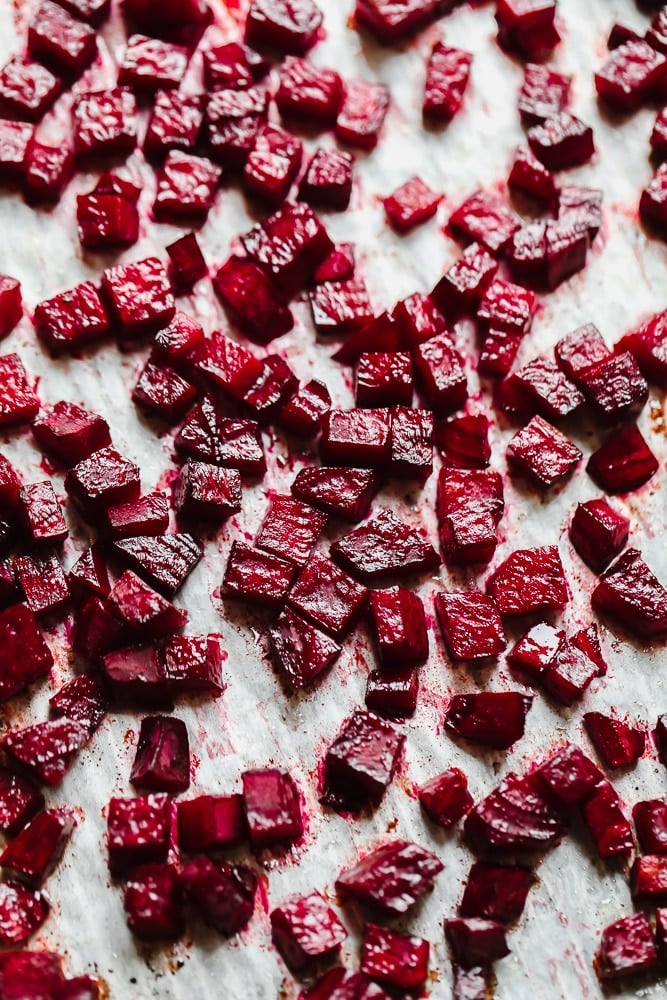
x=475, y=941
x=80, y=699
x=140, y=296
x=623, y=463
x=544, y=92
x=137, y=831
x=543, y=453
x=486, y=218
x=105, y=123
x=207, y=492
x=607, y=822
x=470, y=625
x=34, y=853
x=492, y=718
x=291, y=529
x=162, y=762
x=69, y=433
x=598, y=533
x=529, y=580
x=361, y=762
x=71, y=319
x=392, y=877
x=399, y=625
x=211, y=822
x=384, y=547
x=411, y=204
x=305, y=929
x=152, y=901
x=103, y=480
x=447, y=74
x=362, y=114
x=164, y=562
x=562, y=141
x=20, y=800
x=626, y=947
x=272, y=808
x=286, y=26
x=257, y=577
x=327, y=183
x=249, y=295
x=395, y=959
x=302, y=653
x=223, y=894
x=629, y=592
x=514, y=817
x=496, y=892
x=617, y=743
x=47, y=749
x=18, y=402
x=445, y=799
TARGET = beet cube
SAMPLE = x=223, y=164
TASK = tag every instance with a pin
x=43, y=582
x=106, y=221
x=535, y=651
x=211, y=822
x=11, y=307
x=291, y=529
x=561, y=141
x=327, y=596
x=513, y=817
x=80, y=699
x=46, y=749
x=470, y=625
x=607, y=823
x=152, y=901
x=105, y=123
x=137, y=831
x=338, y=266
x=301, y=652
x=341, y=307
x=508, y=307
x=42, y=514
x=142, y=610
x=617, y=743
x=179, y=340
x=541, y=386
x=651, y=823
x=252, y=301
x=395, y=959
x=527, y=257
x=471, y=984
x=485, y=218
x=462, y=286
x=496, y=892
x=194, y=662
x=15, y=139
x=630, y=75
x=391, y=21
x=207, y=492
x=630, y=593
x=302, y=413
x=175, y=123
x=164, y=562
x=103, y=480
x=209, y=436
x=272, y=808
x=531, y=177
x=476, y=942
x=71, y=319
x=140, y=296
x=362, y=114
x=411, y=204
x=361, y=762
x=648, y=345
x=96, y=629
x=342, y=492
x=447, y=74
x=569, y=777
x=648, y=878
x=379, y=333
x=411, y=443
x=22, y=913
x=149, y=515
x=626, y=948
x=623, y=463
x=544, y=92
x=542, y=453
x=580, y=351
x=289, y=246
x=172, y=18
x=275, y=383
x=305, y=929
x=257, y=577
x=393, y=696
x=27, y=90
x=135, y=677
x=327, y=184
x=469, y=507
x=162, y=762
x=233, y=121
x=60, y=41
x=227, y=66
x=150, y=64
x=20, y=800
x=615, y=387
x=445, y=799
x=308, y=91
x=529, y=580
x=392, y=877
x=440, y=375
x=186, y=188
x=223, y=894
x=69, y=433
x=465, y=441
x=490, y=718
x=399, y=625
x=356, y=437
x=287, y=26
x=384, y=547
x=598, y=533
x=34, y=853
x=659, y=136
x=18, y=401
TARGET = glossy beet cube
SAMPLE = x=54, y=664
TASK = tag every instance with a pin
x=227, y=66
x=393, y=958
x=508, y=307
x=11, y=306
x=275, y=383
x=630, y=75
x=302, y=413
x=542, y=453
x=289, y=246
x=582, y=207
x=362, y=114
x=445, y=799
x=257, y=577
x=135, y=677
x=80, y=699
x=648, y=345
x=623, y=463
x=15, y=139
x=465, y=441
x=529, y=580
x=327, y=183
x=412, y=321
x=617, y=743
x=106, y=221
x=561, y=141
x=207, y=492
x=650, y=819
x=46, y=749
x=392, y=877
x=626, y=948
x=384, y=547
x=139, y=295
x=469, y=507
x=20, y=800
x=223, y=894
x=527, y=255
x=525, y=14
x=631, y=594
x=440, y=375
x=286, y=26
x=22, y=913
x=175, y=123
x=491, y=718
x=580, y=351
x=173, y=17
x=137, y=831
x=71, y=319
x=362, y=760
x=149, y=515
x=544, y=92
x=145, y=613
x=291, y=529
x=69, y=433
x=392, y=22
x=42, y=514
x=163, y=393
x=252, y=301
x=606, y=820
x=162, y=762
x=342, y=492
x=34, y=853
x=272, y=807
x=599, y=533
x=211, y=822
x=568, y=777
x=194, y=662
x=27, y=90
x=652, y=204
x=308, y=91
x=233, y=121
x=411, y=443
x=356, y=437
x=615, y=387
x=470, y=625
x=514, y=817
x=399, y=626
x=150, y=64
x=461, y=287
x=485, y=218
x=60, y=41
x=152, y=901
x=570, y=672
x=105, y=123
x=496, y=892
x=18, y=401
x=541, y=386
x=379, y=333
x=411, y=204
x=498, y=353
x=43, y=583
x=341, y=307
x=301, y=652
x=186, y=188
x=305, y=929
x=447, y=74
x=393, y=696
x=531, y=177
x=186, y=264
x=535, y=651
x=648, y=878
x=272, y=165
x=96, y=629
x=103, y=480
x=327, y=596
x=209, y=436
x=338, y=266
x=476, y=942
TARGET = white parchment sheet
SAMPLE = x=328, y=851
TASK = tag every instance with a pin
x=254, y=723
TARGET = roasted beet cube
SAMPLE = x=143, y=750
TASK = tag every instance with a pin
x=491, y=718
x=42, y=514
x=362, y=760
x=356, y=437
x=135, y=677
x=486, y=218
x=384, y=546
x=15, y=139
x=580, y=351
x=447, y=74
x=569, y=776
x=633, y=595
x=461, y=287
x=140, y=296
x=43, y=582
x=411, y=443
x=659, y=136
x=469, y=507
x=393, y=696
x=152, y=901
x=440, y=375
x=162, y=392
x=249, y=295
x=465, y=441
x=300, y=651
x=211, y=822
x=582, y=207
x=209, y=436
x=186, y=263
x=648, y=878
x=648, y=345
x=651, y=822
x=392, y=877
x=137, y=831
x=233, y=121
x=305, y=929
x=599, y=533
x=175, y=123
x=286, y=26
x=617, y=743
x=223, y=894
x=496, y=892
x=27, y=90
x=172, y=18
x=142, y=610
x=630, y=75
x=36, y=850
x=18, y=402
x=96, y=629
x=162, y=762
x=207, y=492
x=71, y=319
x=289, y=246
x=527, y=259
x=275, y=383
x=106, y=221
x=399, y=626
x=20, y=800
x=80, y=699
x=412, y=321
x=343, y=492
x=308, y=91
x=542, y=453
x=541, y=386
x=302, y=413
x=535, y=651
x=508, y=307
x=227, y=364
x=257, y=577
x=46, y=749
x=291, y=529
x=615, y=387
x=626, y=948
x=445, y=799
x=327, y=596
x=69, y=433
x=273, y=165
x=513, y=817
x=362, y=114
x=470, y=625
x=570, y=672
x=392, y=22
x=562, y=141
x=411, y=204
x=623, y=463
x=194, y=662
x=531, y=177
x=105, y=123
x=94, y=12
x=338, y=266
x=395, y=959
x=149, y=515
x=380, y=333
x=531, y=37
x=60, y=41
x=272, y=808
x=341, y=307
x=227, y=66
x=22, y=913
x=186, y=187
x=150, y=64
x=604, y=817
x=529, y=580
x=476, y=942
x=103, y=480
x=11, y=306
x=327, y=183
x=544, y=92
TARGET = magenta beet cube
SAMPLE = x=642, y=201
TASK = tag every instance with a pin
x=470, y=625
x=617, y=743
x=630, y=75
x=580, y=351
x=531, y=177
x=80, y=699
x=485, y=218
x=145, y=613
x=20, y=800
x=632, y=595
x=224, y=895
x=411, y=204
x=391, y=878
x=399, y=626
x=656, y=35
x=527, y=254
x=384, y=547
x=606, y=820
x=69, y=433
x=106, y=221
x=285, y=26
x=534, y=652
x=162, y=392
x=648, y=879
x=570, y=672
x=302, y=413
x=309, y=92
x=27, y=90
x=34, y=853
x=445, y=799
x=228, y=365
x=569, y=777
x=248, y=294
x=301, y=652
x=10, y=487
x=393, y=696
x=544, y=92
x=71, y=319
x=227, y=67
x=469, y=506
x=529, y=580
x=342, y=492
x=465, y=441
x=542, y=387
x=338, y=266
x=149, y=515
x=529, y=40
x=289, y=246
x=211, y=822
x=498, y=353
x=561, y=141
x=18, y=401
x=42, y=514
x=139, y=296
x=542, y=453
x=462, y=286
x=24, y=653
x=598, y=533
x=627, y=947
x=340, y=307
x=194, y=662
x=361, y=762
x=650, y=819
x=257, y=577
x=105, y=123
x=135, y=677
x=440, y=375
x=411, y=443
x=164, y=562
x=327, y=182
x=173, y=17
x=11, y=305
x=234, y=119
x=62, y=42
x=395, y=959
x=447, y=74
x=46, y=749
x=177, y=343
x=305, y=929
x=392, y=22
x=582, y=207
x=359, y=437
x=272, y=808
x=152, y=899
x=22, y=913
x=175, y=123
x=567, y=244
x=615, y=387
x=96, y=629
x=514, y=817
x=362, y=114
x=43, y=583
x=623, y=463
x=103, y=480
x=15, y=139
x=648, y=345
x=137, y=831
x=496, y=892
x=186, y=188
x=291, y=529
x=507, y=307
x=491, y=718
x=162, y=761
x=476, y=942
x=275, y=383
x=150, y=64
x=210, y=437
x=379, y=333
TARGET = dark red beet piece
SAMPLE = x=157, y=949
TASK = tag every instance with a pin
x=542, y=453
x=302, y=413
x=227, y=66
x=106, y=221
x=149, y=515
x=648, y=878
x=567, y=244
x=48, y=748
x=289, y=245
x=529, y=580
x=356, y=437
x=653, y=201
x=384, y=547
x=486, y=218
x=465, y=441
x=650, y=819
x=272, y=165
x=272, y=809
x=661, y=933
x=447, y=74
x=10, y=486
x=362, y=760
x=257, y=577
x=162, y=762
x=343, y=492
x=209, y=436
x=385, y=332
x=291, y=529
x=305, y=929
x=393, y=696
x=399, y=626
x=194, y=662
x=152, y=901
x=462, y=286
x=615, y=387
x=172, y=18
x=568, y=777
x=392, y=877
x=252, y=301
x=411, y=204
x=362, y=114
x=300, y=651
x=582, y=207
x=392, y=22
x=607, y=823
x=514, y=817
x=623, y=463
x=71, y=319
x=15, y=139
x=24, y=653
x=48, y=169
x=570, y=672
x=69, y=433
x=43, y=582
x=42, y=514
x=276, y=383
x=535, y=651
x=11, y=306
x=411, y=443
x=341, y=307
x=508, y=307
x=527, y=253
x=327, y=596
x=308, y=91
x=441, y=376
x=34, y=853
x=598, y=533
x=27, y=90
x=327, y=184
x=476, y=942
x=18, y=401
x=22, y=913
x=418, y=319
x=562, y=141
x=175, y=123
x=531, y=177
x=144, y=613
x=20, y=800
x=544, y=92
x=338, y=266
x=137, y=831
x=80, y=699
x=150, y=64
x=527, y=26
x=60, y=41
x=492, y=718
x=103, y=480
x=470, y=625
x=135, y=677
x=210, y=822
x=140, y=296
x=445, y=799
x=207, y=492
x=629, y=75
x=469, y=506
x=617, y=743
x=659, y=136
x=186, y=188
x=233, y=121
x=164, y=562
x=542, y=387
x=630, y=593
x=179, y=341
x=105, y=123
x=619, y=34
x=96, y=629
x=223, y=894
x=648, y=345
x=286, y=26
x=580, y=351
x=496, y=892
x=398, y=960
x=626, y=948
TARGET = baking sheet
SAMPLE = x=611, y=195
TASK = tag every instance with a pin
x=254, y=723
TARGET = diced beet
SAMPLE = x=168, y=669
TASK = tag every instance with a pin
x=447, y=74
x=80, y=699
x=111, y=182
x=60, y=41
x=162, y=762
x=524, y=16
x=661, y=933
x=514, y=817
x=105, y=123
x=338, y=266
x=607, y=823
x=626, y=948
x=71, y=319
x=633, y=595
x=362, y=114
x=356, y=437
x=22, y=913
x=470, y=624
x=465, y=441
x=308, y=91
x=27, y=90
x=582, y=207
x=656, y=35
x=527, y=256
x=361, y=762
x=20, y=800
x=286, y=26
x=252, y=300
x=567, y=244
x=149, y=515
x=398, y=960
x=69, y=433
x=648, y=878
x=272, y=165
x=535, y=651
x=103, y=480
x=175, y=123
x=476, y=942
x=542, y=453
x=393, y=696
x=179, y=341
x=445, y=799
x=42, y=514
x=651, y=823
x=18, y=401
x=529, y=580
x=615, y=387
x=392, y=22
x=289, y=245
x=272, y=809
x=411, y=204
x=207, y=492
x=300, y=651
x=386, y=332
x=418, y=319
x=96, y=629
x=384, y=546
x=305, y=929
x=34, y=853
x=211, y=822
x=186, y=188
x=544, y=388
x=462, y=286
x=15, y=139
x=302, y=413
x=10, y=486
x=469, y=507
x=209, y=436
x=291, y=529
x=140, y=296
x=648, y=345
x=486, y=218
x=327, y=184
x=257, y=577
x=135, y=677
x=544, y=92
x=233, y=121
x=223, y=894
x=43, y=582
x=492, y=718
x=150, y=64
x=617, y=743
x=568, y=777
x=327, y=596
x=145, y=613
x=623, y=463
x=194, y=662
x=561, y=141
x=392, y=877
x=629, y=75
x=531, y=177
x=137, y=831
x=172, y=18
x=440, y=374
x=599, y=533
x=343, y=492
x=227, y=66
x=11, y=305
x=106, y=221
x=399, y=626
x=274, y=385
x=580, y=351
x=496, y=892
x=341, y=307
x=152, y=901
x=46, y=749
x=411, y=443
x=505, y=306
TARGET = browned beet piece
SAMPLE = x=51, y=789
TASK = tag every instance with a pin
x=152, y=901
x=395, y=959
x=633, y=595
x=445, y=799
x=162, y=761
x=626, y=948
x=223, y=894
x=137, y=831
x=514, y=817
x=392, y=877
x=361, y=762
x=33, y=854
x=384, y=547
x=257, y=577
x=210, y=822
x=305, y=929
x=272, y=807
